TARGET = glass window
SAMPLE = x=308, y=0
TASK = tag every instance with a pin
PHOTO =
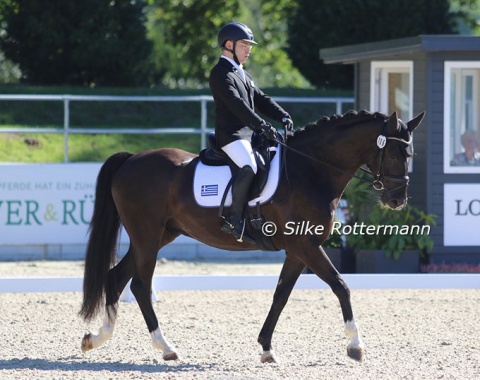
x=461, y=121
x=392, y=89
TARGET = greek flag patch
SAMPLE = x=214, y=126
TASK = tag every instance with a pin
x=209, y=190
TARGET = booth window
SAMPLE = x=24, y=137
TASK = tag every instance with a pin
x=461, y=120
x=391, y=86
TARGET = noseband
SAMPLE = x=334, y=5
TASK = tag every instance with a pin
x=377, y=183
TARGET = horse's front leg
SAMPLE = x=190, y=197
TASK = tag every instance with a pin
x=291, y=270
x=324, y=269
x=355, y=348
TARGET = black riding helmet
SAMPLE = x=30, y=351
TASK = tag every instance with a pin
x=235, y=31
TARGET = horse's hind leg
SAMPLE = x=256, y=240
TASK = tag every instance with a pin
x=324, y=269
x=91, y=341
x=141, y=288
x=118, y=277
x=291, y=270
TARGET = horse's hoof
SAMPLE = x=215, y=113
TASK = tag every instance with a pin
x=87, y=344
x=268, y=357
x=170, y=356
x=356, y=353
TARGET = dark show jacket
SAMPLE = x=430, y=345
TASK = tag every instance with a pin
x=235, y=104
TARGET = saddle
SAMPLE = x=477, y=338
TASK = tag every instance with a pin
x=213, y=156
x=265, y=151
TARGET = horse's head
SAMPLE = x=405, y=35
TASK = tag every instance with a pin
x=390, y=166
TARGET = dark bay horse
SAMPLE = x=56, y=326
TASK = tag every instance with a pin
x=150, y=193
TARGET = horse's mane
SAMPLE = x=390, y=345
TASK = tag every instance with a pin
x=348, y=118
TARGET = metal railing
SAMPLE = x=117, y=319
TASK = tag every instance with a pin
x=203, y=130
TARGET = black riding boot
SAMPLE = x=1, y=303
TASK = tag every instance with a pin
x=234, y=223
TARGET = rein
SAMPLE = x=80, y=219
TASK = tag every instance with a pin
x=377, y=183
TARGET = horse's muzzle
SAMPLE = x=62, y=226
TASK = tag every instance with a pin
x=394, y=197
x=396, y=203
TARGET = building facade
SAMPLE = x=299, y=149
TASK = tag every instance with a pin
x=439, y=74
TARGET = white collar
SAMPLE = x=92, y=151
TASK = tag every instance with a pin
x=235, y=65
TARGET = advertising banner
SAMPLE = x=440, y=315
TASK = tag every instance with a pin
x=46, y=203
x=461, y=214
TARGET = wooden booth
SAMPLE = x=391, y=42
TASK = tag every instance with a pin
x=439, y=74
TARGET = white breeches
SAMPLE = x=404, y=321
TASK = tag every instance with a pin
x=241, y=153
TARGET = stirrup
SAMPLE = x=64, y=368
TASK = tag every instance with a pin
x=241, y=237
x=226, y=225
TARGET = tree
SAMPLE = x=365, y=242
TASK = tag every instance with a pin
x=186, y=31
x=467, y=14
x=319, y=24
x=88, y=42
x=9, y=73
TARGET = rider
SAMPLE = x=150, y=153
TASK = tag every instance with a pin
x=236, y=98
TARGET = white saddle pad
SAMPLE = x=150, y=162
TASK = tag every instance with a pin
x=210, y=182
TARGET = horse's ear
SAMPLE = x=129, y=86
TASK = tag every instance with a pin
x=392, y=124
x=415, y=122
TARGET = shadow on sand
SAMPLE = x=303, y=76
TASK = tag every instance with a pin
x=77, y=363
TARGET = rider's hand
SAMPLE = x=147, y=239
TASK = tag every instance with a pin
x=269, y=131
x=288, y=126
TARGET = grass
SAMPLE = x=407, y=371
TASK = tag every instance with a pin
x=47, y=147
x=32, y=147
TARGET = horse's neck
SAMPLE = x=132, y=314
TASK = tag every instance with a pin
x=345, y=148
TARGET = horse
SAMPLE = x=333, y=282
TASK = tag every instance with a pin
x=150, y=194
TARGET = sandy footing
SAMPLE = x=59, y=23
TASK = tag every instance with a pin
x=409, y=334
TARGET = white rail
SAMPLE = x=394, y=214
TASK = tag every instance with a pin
x=256, y=282
x=203, y=130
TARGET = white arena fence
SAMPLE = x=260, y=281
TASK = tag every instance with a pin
x=254, y=282
x=202, y=128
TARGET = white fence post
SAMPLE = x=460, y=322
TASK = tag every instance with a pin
x=66, y=126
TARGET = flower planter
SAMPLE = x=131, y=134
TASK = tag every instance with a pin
x=375, y=261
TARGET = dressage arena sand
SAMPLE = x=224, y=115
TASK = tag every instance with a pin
x=409, y=334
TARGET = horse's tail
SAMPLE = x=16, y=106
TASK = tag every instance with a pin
x=102, y=242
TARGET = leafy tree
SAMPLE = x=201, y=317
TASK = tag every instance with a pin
x=88, y=42
x=319, y=24
x=186, y=32
x=9, y=73
x=467, y=14
x=271, y=65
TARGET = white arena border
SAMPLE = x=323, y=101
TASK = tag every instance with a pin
x=256, y=282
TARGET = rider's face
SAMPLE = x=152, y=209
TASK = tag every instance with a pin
x=243, y=49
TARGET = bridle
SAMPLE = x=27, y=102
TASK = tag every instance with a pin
x=377, y=182
x=379, y=178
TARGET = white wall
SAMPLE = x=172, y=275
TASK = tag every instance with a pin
x=45, y=210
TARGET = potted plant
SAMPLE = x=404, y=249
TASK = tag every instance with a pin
x=392, y=241
x=384, y=240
